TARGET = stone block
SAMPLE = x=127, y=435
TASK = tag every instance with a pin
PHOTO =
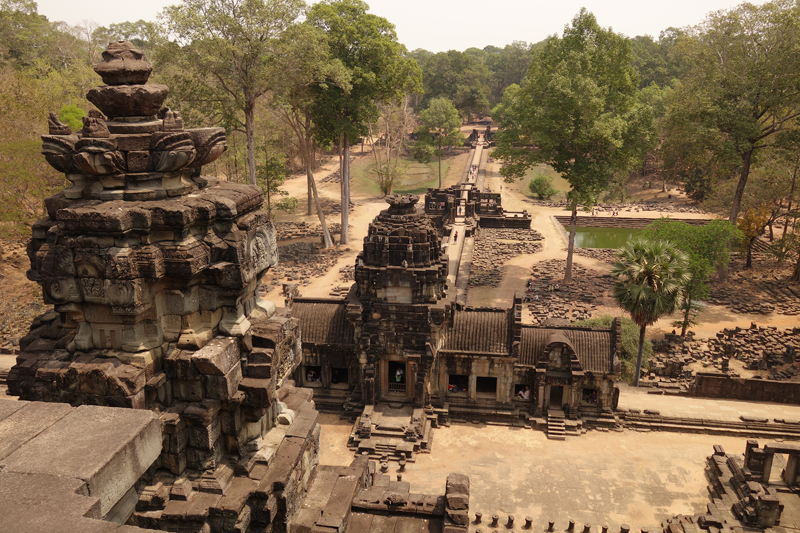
x=457, y=484
x=190, y=390
x=231, y=421
x=204, y=437
x=139, y=162
x=257, y=392
x=27, y=422
x=259, y=370
x=217, y=357
x=174, y=462
x=123, y=443
x=460, y=518
x=458, y=502
x=223, y=387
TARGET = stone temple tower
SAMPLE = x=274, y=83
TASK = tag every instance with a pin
x=153, y=273
x=400, y=286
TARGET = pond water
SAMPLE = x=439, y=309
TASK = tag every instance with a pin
x=602, y=237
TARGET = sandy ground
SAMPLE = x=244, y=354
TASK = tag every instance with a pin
x=599, y=478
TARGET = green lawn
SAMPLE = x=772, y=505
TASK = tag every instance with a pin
x=558, y=182
x=419, y=177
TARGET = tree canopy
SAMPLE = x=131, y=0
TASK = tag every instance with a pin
x=578, y=107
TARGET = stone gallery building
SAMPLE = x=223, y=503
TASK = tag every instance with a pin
x=398, y=337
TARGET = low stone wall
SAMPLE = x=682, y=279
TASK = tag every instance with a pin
x=712, y=385
x=508, y=220
x=604, y=221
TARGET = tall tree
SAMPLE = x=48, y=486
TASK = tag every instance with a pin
x=396, y=120
x=231, y=45
x=440, y=127
x=745, y=69
x=578, y=105
x=306, y=67
x=707, y=248
x=650, y=279
x=461, y=77
x=367, y=46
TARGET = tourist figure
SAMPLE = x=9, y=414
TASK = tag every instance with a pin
x=398, y=376
x=525, y=393
x=311, y=376
x=535, y=297
x=593, y=397
x=530, y=283
x=455, y=237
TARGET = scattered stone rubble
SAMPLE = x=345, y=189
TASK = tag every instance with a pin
x=625, y=207
x=556, y=300
x=287, y=231
x=302, y=262
x=758, y=348
x=608, y=255
x=760, y=290
x=495, y=246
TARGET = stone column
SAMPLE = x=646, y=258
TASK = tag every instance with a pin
x=768, y=457
x=473, y=384
x=790, y=472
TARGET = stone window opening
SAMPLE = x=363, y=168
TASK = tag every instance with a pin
x=340, y=377
x=457, y=384
x=397, y=376
x=590, y=396
x=313, y=376
x=522, y=391
x=486, y=387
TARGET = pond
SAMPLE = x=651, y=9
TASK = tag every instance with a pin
x=602, y=237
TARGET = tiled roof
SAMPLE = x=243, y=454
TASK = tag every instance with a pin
x=323, y=322
x=594, y=348
x=480, y=330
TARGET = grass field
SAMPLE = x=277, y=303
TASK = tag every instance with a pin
x=419, y=176
x=558, y=182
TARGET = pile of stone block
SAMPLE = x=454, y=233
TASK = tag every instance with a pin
x=760, y=290
x=260, y=487
x=758, y=347
x=287, y=231
x=493, y=247
x=456, y=519
x=573, y=302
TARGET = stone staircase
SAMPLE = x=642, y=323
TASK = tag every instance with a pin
x=556, y=429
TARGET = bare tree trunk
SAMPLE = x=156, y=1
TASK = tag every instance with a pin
x=686, y=317
x=573, y=221
x=326, y=236
x=310, y=194
x=639, y=356
x=737, y=197
x=345, y=191
x=791, y=193
x=249, y=119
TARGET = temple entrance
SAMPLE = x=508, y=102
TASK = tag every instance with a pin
x=556, y=396
x=397, y=376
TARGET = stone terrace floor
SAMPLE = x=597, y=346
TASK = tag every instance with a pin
x=684, y=406
x=599, y=478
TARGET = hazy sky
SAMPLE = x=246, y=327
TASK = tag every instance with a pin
x=439, y=25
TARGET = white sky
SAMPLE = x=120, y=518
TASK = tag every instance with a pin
x=440, y=25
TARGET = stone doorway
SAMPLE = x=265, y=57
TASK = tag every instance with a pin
x=556, y=396
x=397, y=376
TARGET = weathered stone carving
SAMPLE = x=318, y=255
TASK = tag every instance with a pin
x=153, y=272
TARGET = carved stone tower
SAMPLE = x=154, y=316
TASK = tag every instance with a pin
x=401, y=279
x=153, y=273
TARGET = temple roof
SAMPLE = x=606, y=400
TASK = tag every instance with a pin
x=594, y=347
x=480, y=330
x=323, y=321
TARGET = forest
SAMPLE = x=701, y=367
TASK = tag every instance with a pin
x=712, y=108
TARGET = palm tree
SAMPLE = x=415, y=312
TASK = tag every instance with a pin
x=650, y=279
